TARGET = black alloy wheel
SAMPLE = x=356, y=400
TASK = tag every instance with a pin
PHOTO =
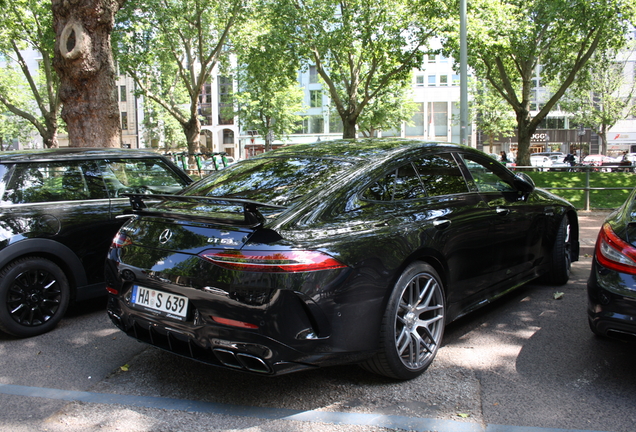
x=34, y=295
x=413, y=324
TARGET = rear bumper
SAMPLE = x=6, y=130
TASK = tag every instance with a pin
x=611, y=303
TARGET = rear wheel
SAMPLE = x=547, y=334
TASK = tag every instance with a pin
x=561, y=259
x=412, y=326
x=34, y=295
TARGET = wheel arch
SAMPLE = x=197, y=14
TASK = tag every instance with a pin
x=427, y=256
x=54, y=251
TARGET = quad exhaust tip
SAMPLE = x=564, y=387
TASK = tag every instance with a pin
x=241, y=361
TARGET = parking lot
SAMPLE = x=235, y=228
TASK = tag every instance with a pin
x=526, y=363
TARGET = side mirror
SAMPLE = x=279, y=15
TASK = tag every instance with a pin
x=523, y=182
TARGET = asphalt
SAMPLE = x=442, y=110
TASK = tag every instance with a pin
x=589, y=225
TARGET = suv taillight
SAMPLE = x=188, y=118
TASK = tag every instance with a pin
x=614, y=253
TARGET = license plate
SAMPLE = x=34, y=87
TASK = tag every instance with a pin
x=169, y=305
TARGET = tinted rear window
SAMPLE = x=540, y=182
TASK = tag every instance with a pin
x=271, y=180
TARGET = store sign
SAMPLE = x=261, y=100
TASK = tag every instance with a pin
x=539, y=137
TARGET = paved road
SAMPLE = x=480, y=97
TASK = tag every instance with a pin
x=526, y=363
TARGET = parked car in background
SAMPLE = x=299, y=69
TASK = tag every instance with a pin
x=60, y=211
x=549, y=162
x=597, y=160
x=350, y=251
x=611, y=286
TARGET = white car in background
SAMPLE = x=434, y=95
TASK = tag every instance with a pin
x=549, y=162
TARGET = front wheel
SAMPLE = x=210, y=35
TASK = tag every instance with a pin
x=412, y=326
x=34, y=295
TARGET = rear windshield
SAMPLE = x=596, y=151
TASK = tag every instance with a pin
x=278, y=181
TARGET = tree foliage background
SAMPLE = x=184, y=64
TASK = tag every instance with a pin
x=512, y=40
x=32, y=95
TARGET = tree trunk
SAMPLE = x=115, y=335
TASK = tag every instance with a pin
x=49, y=138
x=349, y=127
x=84, y=62
x=192, y=130
x=523, y=145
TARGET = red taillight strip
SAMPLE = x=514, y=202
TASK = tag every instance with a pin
x=614, y=253
x=272, y=261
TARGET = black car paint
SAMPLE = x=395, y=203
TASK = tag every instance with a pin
x=331, y=317
x=611, y=293
x=74, y=235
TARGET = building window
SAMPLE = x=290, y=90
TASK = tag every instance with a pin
x=124, y=121
x=122, y=93
x=443, y=80
x=456, y=80
x=315, y=98
x=432, y=80
x=314, y=124
x=416, y=128
x=438, y=119
x=208, y=93
x=226, y=114
x=335, y=123
x=419, y=80
x=313, y=75
x=228, y=136
x=431, y=58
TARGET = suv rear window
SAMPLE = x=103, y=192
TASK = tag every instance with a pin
x=54, y=181
x=37, y=182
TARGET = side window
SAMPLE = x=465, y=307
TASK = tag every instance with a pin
x=441, y=175
x=400, y=184
x=148, y=175
x=54, y=181
x=484, y=173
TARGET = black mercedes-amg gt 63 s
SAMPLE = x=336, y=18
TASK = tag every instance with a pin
x=352, y=251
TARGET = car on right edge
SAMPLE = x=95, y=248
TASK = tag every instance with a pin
x=611, y=286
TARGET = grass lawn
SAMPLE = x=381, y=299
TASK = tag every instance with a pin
x=599, y=199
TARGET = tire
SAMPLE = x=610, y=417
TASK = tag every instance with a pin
x=561, y=258
x=412, y=325
x=34, y=296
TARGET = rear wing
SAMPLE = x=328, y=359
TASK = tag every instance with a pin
x=252, y=217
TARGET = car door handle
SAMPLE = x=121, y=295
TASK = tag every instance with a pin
x=502, y=211
x=441, y=223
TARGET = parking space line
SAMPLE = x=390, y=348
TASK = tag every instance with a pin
x=329, y=417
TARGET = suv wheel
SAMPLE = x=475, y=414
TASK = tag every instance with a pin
x=34, y=295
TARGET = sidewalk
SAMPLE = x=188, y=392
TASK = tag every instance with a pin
x=589, y=225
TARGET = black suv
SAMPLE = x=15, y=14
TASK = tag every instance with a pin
x=60, y=210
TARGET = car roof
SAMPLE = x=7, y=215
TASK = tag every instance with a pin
x=355, y=150
x=67, y=153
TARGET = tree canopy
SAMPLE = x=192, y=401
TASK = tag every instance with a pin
x=604, y=95
x=171, y=47
x=30, y=91
x=360, y=48
x=511, y=42
x=269, y=98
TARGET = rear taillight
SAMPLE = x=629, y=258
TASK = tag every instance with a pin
x=272, y=261
x=614, y=253
x=121, y=240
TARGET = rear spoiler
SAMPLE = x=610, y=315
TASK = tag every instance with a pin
x=252, y=216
